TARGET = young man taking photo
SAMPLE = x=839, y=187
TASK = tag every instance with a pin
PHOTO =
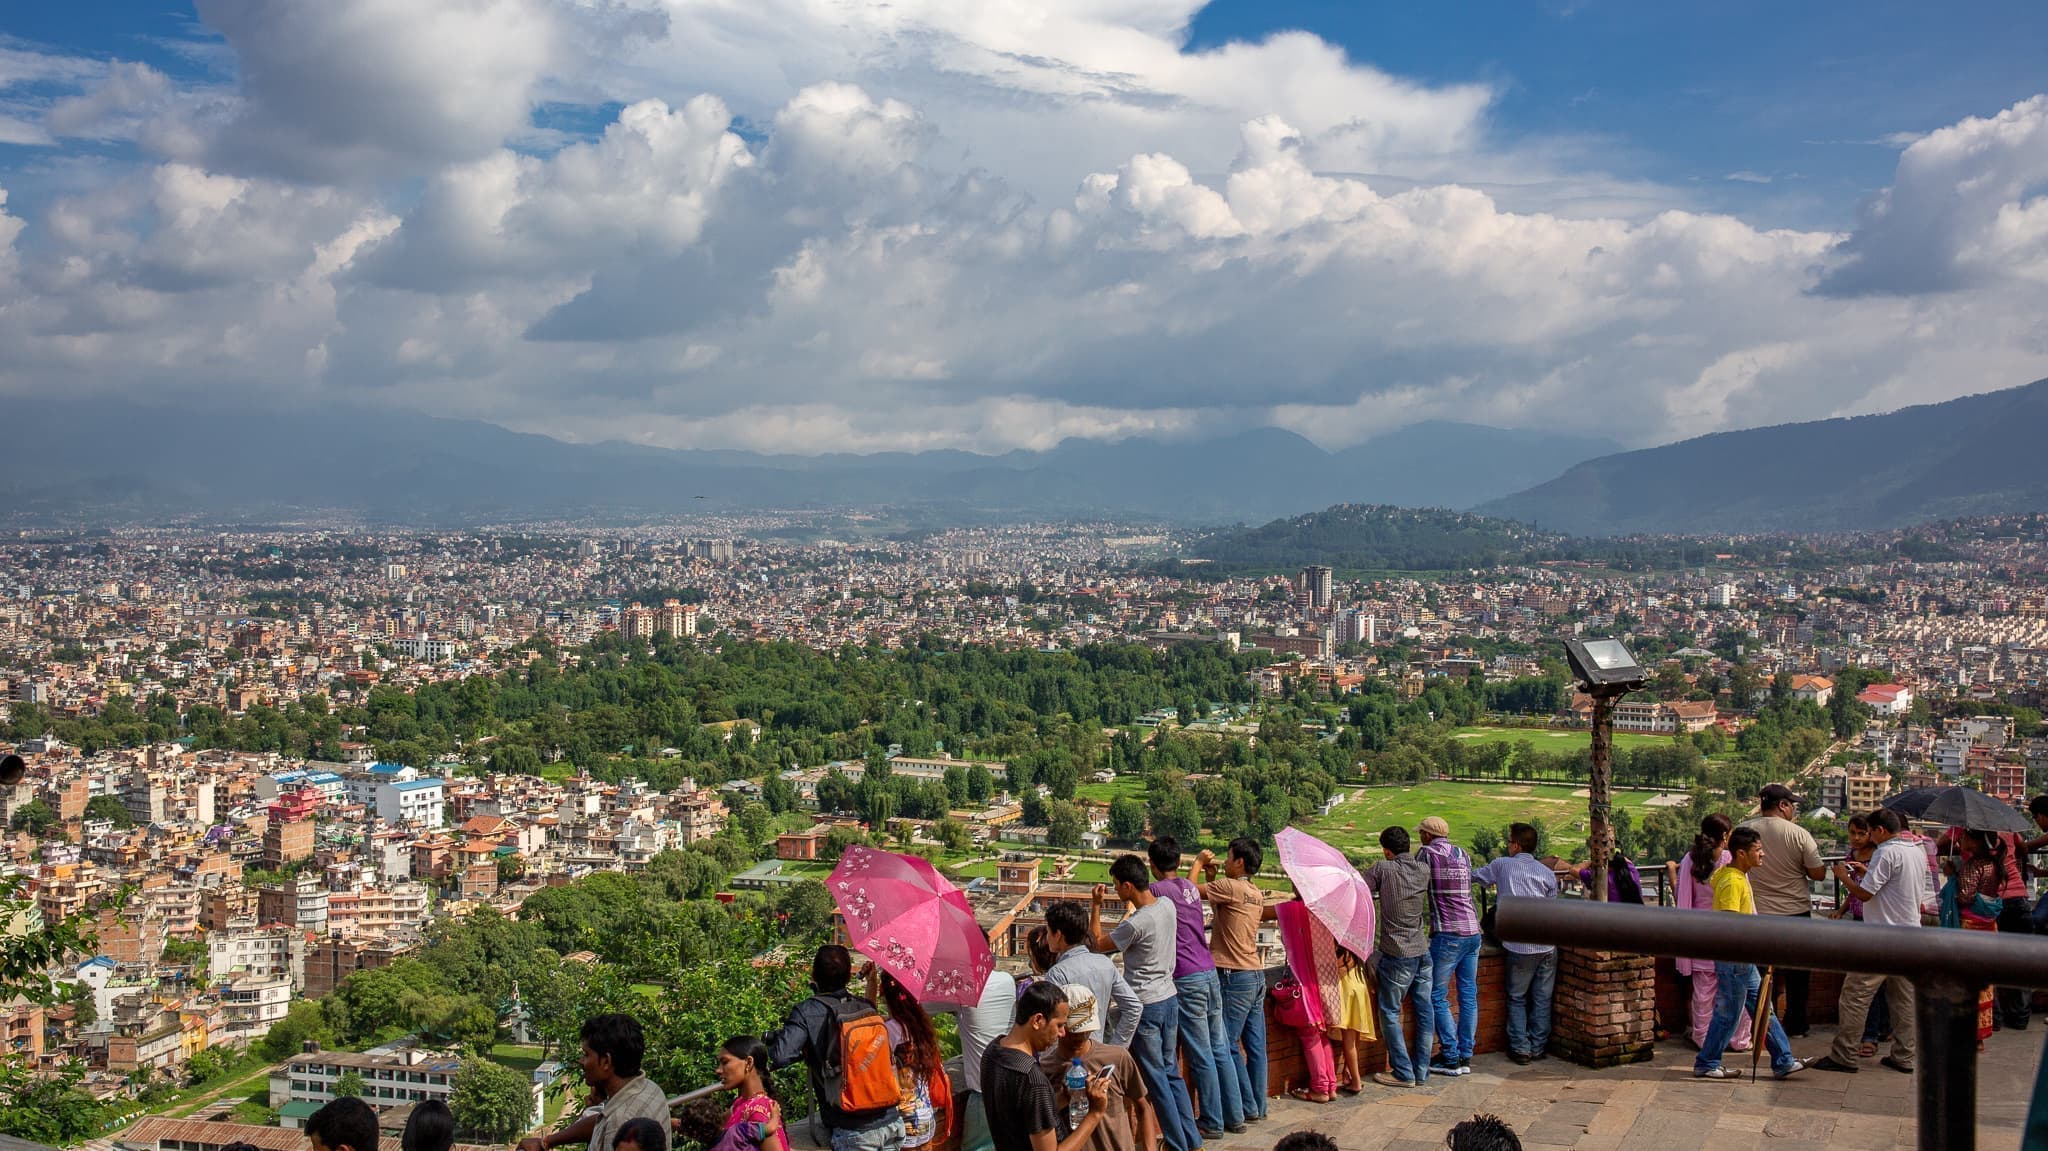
x=1023, y=1113
x=1889, y=886
x=1238, y=907
x=1145, y=936
x=811, y=1033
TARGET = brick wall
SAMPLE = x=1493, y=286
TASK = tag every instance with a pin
x=1609, y=1009
x=1285, y=1068
x=1605, y=1010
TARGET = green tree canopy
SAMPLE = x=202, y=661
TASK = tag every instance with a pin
x=491, y=1100
x=108, y=808
x=34, y=817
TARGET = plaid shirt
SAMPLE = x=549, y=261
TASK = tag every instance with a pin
x=1450, y=888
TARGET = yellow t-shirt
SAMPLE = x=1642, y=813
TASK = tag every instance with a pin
x=1731, y=891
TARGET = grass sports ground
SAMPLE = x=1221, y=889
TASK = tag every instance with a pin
x=1355, y=824
x=1545, y=740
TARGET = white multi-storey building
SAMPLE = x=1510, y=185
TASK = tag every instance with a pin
x=417, y=802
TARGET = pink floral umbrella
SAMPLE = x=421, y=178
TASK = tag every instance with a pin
x=1331, y=888
x=901, y=913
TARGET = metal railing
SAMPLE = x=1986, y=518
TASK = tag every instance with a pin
x=1947, y=969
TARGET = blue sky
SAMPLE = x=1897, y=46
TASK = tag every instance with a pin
x=1806, y=94
x=928, y=224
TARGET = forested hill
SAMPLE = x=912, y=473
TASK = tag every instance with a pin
x=1375, y=537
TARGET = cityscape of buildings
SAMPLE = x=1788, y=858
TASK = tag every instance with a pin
x=289, y=873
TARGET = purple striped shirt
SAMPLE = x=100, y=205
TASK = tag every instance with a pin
x=1450, y=888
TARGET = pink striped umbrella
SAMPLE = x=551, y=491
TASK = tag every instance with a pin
x=901, y=913
x=1331, y=888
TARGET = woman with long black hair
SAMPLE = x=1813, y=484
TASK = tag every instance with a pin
x=756, y=1116
x=926, y=1100
x=1696, y=892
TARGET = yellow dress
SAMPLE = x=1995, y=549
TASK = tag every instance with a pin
x=1355, y=996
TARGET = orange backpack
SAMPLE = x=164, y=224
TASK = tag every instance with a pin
x=858, y=1070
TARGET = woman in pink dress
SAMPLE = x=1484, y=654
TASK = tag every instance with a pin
x=1696, y=891
x=1312, y=960
x=756, y=1118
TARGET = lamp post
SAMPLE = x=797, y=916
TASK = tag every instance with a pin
x=1606, y=671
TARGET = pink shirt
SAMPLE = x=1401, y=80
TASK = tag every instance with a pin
x=1696, y=896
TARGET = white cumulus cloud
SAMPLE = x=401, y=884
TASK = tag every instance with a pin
x=811, y=225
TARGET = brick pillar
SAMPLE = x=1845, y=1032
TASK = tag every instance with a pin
x=1605, y=1010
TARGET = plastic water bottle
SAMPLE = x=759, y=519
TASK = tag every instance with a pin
x=1077, y=1094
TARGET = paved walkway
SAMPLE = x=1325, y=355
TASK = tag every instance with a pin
x=1659, y=1105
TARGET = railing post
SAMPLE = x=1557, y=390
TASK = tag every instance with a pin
x=1945, y=1014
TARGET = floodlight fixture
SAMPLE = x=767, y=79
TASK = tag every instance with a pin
x=12, y=769
x=1603, y=663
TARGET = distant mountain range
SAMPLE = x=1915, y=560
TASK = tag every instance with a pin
x=70, y=462
x=73, y=462
x=1979, y=455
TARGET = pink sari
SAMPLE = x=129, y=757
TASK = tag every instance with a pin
x=757, y=1109
x=1312, y=957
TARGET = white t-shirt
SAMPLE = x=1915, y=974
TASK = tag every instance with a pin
x=1897, y=873
x=1145, y=936
x=986, y=1022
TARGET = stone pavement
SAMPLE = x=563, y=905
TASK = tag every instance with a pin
x=1660, y=1105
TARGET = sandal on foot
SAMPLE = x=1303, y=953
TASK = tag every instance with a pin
x=1307, y=1096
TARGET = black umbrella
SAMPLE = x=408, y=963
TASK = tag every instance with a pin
x=1915, y=800
x=1959, y=807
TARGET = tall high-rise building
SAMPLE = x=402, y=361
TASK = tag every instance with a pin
x=1358, y=627
x=1315, y=580
x=677, y=618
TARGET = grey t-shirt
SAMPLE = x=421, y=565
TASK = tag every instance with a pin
x=1402, y=883
x=1146, y=938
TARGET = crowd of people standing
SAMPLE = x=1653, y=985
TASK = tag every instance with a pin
x=1087, y=1054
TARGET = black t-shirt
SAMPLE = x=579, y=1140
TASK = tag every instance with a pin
x=1017, y=1096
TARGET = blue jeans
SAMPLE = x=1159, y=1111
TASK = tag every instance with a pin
x=1159, y=1065
x=1531, y=981
x=2041, y=916
x=1455, y=956
x=1206, y=1041
x=881, y=1137
x=1736, y=990
x=1406, y=979
x=1244, y=1024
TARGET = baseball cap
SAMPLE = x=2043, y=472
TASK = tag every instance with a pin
x=1081, y=1014
x=1436, y=826
x=1775, y=794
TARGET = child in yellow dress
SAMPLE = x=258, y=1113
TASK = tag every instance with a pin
x=1354, y=1024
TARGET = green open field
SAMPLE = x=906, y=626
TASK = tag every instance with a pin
x=1086, y=871
x=1568, y=740
x=1130, y=785
x=519, y=1057
x=1355, y=824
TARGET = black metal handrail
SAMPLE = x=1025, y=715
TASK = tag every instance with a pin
x=1947, y=968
